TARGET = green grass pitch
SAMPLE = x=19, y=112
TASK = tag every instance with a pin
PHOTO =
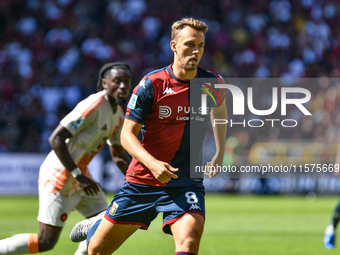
x=235, y=224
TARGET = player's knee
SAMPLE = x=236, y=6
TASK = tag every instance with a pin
x=94, y=250
x=47, y=243
x=188, y=244
x=91, y=250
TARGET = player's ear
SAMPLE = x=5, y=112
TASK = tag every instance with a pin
x=104, y=83
x=173, y=46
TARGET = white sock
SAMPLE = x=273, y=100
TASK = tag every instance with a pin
x=15, y=245
x=82, y=248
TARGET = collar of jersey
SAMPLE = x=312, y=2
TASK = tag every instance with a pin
x=176, y=78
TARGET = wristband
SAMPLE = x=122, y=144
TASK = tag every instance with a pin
x=76, y=172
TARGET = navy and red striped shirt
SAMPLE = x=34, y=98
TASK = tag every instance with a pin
x=161, y=103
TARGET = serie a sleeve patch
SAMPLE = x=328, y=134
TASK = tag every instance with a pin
x=133, y=101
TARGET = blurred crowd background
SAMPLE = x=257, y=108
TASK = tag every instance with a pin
x=51, y=52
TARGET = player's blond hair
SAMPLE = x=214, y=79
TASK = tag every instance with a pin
x=191, y=22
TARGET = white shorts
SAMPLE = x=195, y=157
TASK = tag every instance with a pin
x=54, y=208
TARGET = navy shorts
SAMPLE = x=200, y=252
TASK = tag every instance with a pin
x=140, y=204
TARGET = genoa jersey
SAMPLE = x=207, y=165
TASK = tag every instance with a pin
x=161, y=102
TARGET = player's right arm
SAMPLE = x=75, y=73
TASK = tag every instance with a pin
x=57, y=141
x=162, y=171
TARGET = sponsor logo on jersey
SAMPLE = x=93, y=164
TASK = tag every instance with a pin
x=164, y=111
x=77, y=123
x=133, y=101
x=113, y=209
x=168, y=91
x=195, y=207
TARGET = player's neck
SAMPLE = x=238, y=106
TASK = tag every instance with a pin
x=112, y=103
x=181, y=73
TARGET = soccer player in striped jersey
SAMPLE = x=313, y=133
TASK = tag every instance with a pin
x=65, y=182
x=158, y=178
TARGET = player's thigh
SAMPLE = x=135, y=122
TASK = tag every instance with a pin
x=54, y=208
x=187, y=232
x=89, y=205
x=109, y=237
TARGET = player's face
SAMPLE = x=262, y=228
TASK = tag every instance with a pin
x=117, y=84
x=189, y=48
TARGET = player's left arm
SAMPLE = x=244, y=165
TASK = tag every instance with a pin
x=57, y=141
x=219, y=131
x=119, y=157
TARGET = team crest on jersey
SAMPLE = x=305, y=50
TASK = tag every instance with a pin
x=133, y=101
x=113, y=209
x=164, y=111
x=63, y=217
x=77, y=123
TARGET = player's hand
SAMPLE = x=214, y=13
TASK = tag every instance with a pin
x=210, y=172
x=162, y=171
x=213, y=171
x=88, y=185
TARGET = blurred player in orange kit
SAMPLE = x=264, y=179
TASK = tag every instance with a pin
x=65, y=182
x=158, y=178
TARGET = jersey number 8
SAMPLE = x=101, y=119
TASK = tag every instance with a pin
x=191, y=197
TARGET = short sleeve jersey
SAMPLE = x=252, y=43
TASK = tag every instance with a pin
x=92, y=124
x=161, y=103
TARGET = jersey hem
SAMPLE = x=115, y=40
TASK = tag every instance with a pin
x=154, y=183
x=166, y=228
